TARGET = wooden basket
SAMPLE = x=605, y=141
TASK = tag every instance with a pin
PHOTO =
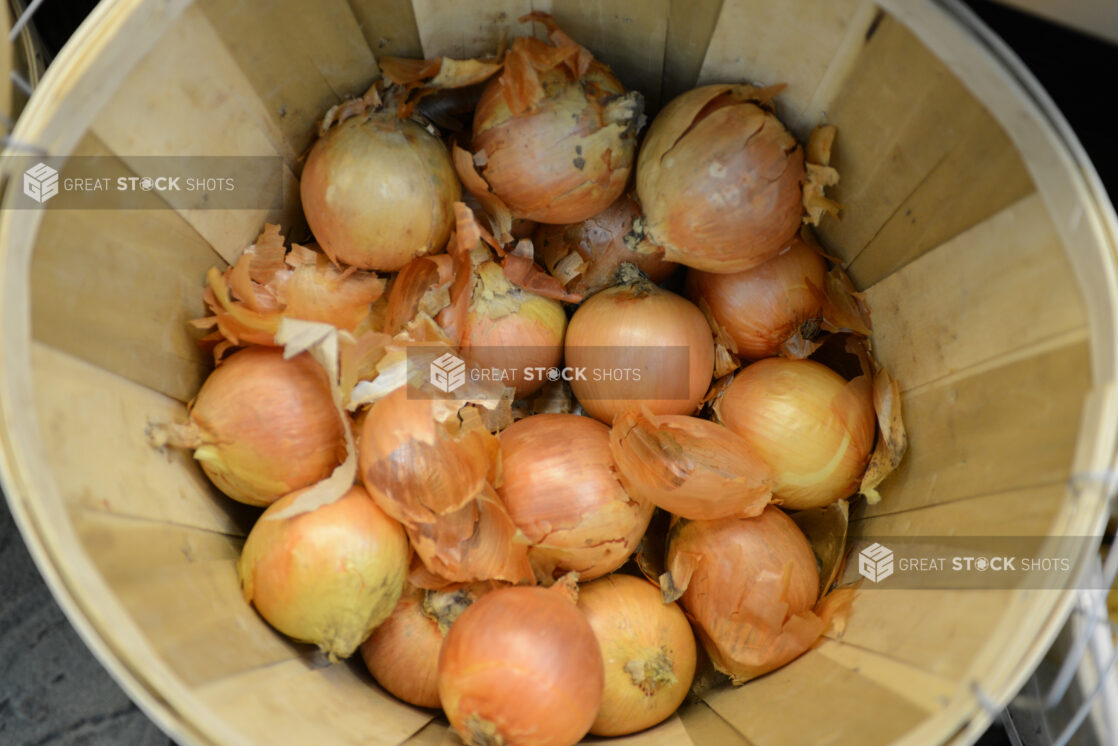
x=972, y=220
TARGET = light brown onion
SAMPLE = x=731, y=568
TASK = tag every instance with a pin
x=402, y=654
x=690, y=467
x=720, y=179
x=560, y=488
x=262, y=426
x=328, y=576
x=378, y=191
x=585, y=256
x=521, y=666
x=572, y=118
x=637, y=326
x=774, y=308
x=748, y=585
x=648, y=653
x=815, y=429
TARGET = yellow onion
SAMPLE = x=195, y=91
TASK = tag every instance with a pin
x=814, y=428
x=748, y=585
x=648, y=653
x=555, y=134
x=690, y=467
x=262, y=426
x=402, y=654
x=720, y=179
x=561, y=490
x=378, y=191
x=637, y=326
x=774, y=308
x=521, y=666
x=328, y=576
x=585, y=257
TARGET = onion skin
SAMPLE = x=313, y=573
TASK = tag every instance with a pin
x=598, y=246
x=648, y=653
x=560, y=487
x=631, y=325
x=750, y=585
x=521, y=666
x=266, y=426
x=763, y=308
x=379, y=191
x=720, y=179
x=815, y=429
x=329, y=576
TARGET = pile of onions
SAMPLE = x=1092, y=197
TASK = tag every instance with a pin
x=748, y=585
x=328, y=576
x=402, y=654
x=690, y=467
x=554, y=135
x=774, y=308
x=585, y=257
x=648, y=653
x=638, y=326
x=560, y=488
x=378, y=190
x=720, y=179
x=521, y=666
x=262, y=426
x=811, y=426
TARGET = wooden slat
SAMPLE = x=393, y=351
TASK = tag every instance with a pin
x=705, y=726
x=964, y=303
x=457, y=29
x=1006, y=428
x=628, y=37
x=690, y=26
x=927, y=691
x=816, y=700
x=309, y=57
x=920, y=157
x=92, y=423
x=262, y=705
x=204, y=104
x=744, y=47
x=671, y=732
x=1029, y=511
x=389, y=27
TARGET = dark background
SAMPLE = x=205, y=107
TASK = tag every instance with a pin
x=52, y=690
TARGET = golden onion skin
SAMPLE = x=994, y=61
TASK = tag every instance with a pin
x=379, y=191
x=720, y=180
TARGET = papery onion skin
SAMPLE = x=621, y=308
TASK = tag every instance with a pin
x=764, y=307
x=521, y=666
x=648, y=653
x=633, y=326
x=267, y=426
x=328, y=576
x=751, y=587
x=815, y=429
x=720, y=179
x=379, y=191
x=599, y=246
x=561, y=490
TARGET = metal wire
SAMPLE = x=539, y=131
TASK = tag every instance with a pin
x=24, y=19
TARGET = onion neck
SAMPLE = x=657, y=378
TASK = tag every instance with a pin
x=482, y=732
x=443, y=607
x=632, y=279
x=653, y=673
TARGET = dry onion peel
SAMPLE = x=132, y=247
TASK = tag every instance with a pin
x=690, y=467
x=819, y=175
x=825, y=529
x=422, y=78
x=892, y=440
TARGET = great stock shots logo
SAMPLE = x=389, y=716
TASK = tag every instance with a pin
x=40, y=182
x=448, y=372
x=875, y=563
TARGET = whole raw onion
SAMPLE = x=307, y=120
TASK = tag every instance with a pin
x=585, y=256
x=378, y=191
x=328, y=576
x=720, y=179
x=521, y=666
x=561, y=489
x=749, y=586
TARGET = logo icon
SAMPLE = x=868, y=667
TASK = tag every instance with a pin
x=448, y=372
x=40, y=182
x=875, y=563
